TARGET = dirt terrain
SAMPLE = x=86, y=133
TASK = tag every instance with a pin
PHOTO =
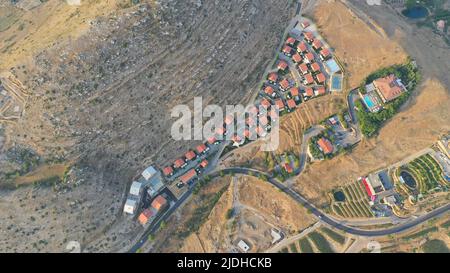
x=102, y=99
x=257, y=208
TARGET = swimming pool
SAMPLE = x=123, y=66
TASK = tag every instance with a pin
x=369, y=102
x=336, y=82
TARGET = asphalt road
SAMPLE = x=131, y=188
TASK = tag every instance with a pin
x=332, y=222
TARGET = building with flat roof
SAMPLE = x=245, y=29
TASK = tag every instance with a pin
x=130, y=206
x=243, y=246
x=136, y=188
x=149, y=172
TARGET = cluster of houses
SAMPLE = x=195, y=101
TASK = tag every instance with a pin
x=148, y=185
x=381, y=91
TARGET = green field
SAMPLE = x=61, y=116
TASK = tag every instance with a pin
x=320, y=242
x=356, y=203
x=293, y=248
x=338, y=238
x=435, y=246
x=305, y=245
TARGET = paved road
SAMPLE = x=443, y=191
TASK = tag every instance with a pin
x=331, y=221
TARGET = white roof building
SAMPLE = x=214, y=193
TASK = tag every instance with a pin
x=149, y=172
x=130, y=206
x=135, y=188
x=276, y=236
x=243, y=246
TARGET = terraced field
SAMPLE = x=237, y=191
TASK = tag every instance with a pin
x=317, y=241
x=355, y=204
x=426, y=172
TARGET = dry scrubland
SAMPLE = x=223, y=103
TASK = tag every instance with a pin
x=257, y=207
x=102, y=98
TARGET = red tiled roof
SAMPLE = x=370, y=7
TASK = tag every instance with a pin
x=325, y=52
x=265, y=103
x=268, y=90
x=279, y=103
x=297, y=58
x=320, y=77
x=168, y=171
x=291, y=103
x=369, y=189
x=287, y=49
x=309, y=92
x=273, y=77
x=145, y=216
x=303, y=68
x=220, y=131
x=201, y=148
x=236, y=138
x=301, y=47
x=159, y=202
x=263, y=120
x=290, y=40
x=282, y=65
x=185, y=178
x=249, y=121
x=212, y=140
x=309, y=56
x=178, y=163
x=388, y=87
x=309, y=78
x=229, y=119
x=247, y=133
x=284, y=84
x=321, y=90
x=315, y=67
x=190, y=155
x=309, y=36
x=305, y=24
x=294, y=91
x=317, y=44
x=204, y=163
x=288, y=168
x=325, y=144
x=260, y=131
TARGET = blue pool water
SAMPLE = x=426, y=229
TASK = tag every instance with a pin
x=415, y=12
x=368, y=101
x=336, y=82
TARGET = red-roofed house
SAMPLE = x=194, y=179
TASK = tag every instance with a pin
x=212, y=140
x=320, y=78
x=309, y=92
x=190, y=155
x=309, y=57
x=187, y=177
x=287, y=50
x=297, y=58
x=145, y=216
x=290, y=41
x=249, y=121
x=324, y=54
x=202, y=148
x=389, y=87
x=282, y=65
x=309, y=36
x=317, y=44
x=315, y=67
x=305, y=24
x=288, y=168
x=369, y=189
x=320, y=90
x=179, y=163
x=303, y=68
x=294, y=92
x=325, y=145
x=279, y=103
x=168, y=171
x=263, y=120
x=284, y=84
x=301, y=47
x=204, y=163
x=273, y=77
x=308, y=79
x=229, y=119
x=265, y=103
x=159, y=202
x=269, y=91
x=291, y=104
x=260, y=131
